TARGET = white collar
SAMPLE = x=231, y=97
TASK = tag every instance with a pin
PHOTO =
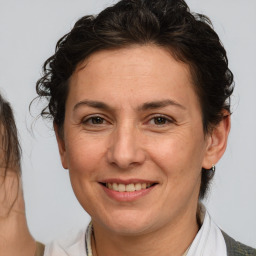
x=209, y=241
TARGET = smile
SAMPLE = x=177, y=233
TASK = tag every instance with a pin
x=128, y=187
x=127, y=190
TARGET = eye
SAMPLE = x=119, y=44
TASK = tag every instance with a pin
x=97, y=120
x=94, y=120
x=160, y=120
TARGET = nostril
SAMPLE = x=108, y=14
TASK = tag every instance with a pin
x=126, y=161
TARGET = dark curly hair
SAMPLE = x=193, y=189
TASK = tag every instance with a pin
x=9, y=143
x=165, y=23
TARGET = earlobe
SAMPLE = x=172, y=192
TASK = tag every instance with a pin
x=61, y=146
x=217, y=142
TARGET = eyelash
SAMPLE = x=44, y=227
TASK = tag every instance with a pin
x=98, y=120
x=167, y=120
x=91, y=118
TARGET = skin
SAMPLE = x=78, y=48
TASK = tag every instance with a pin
x=15, y=238
x=123, y=139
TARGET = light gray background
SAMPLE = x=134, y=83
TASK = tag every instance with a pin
x=29, y=30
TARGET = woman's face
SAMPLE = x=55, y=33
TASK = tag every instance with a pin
x=133, y=139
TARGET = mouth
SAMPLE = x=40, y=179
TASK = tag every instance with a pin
x=131, y=187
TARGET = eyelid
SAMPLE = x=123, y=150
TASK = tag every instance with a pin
x=169, y=119
x=149, y=118
x=89, y=117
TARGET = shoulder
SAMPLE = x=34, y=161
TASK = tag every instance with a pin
x=235, y=248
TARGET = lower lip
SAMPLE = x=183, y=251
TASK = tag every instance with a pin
x=127, y=196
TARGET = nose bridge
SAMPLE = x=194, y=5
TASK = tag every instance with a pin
x=125, y=149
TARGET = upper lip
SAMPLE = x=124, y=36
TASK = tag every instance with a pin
x=127, y=181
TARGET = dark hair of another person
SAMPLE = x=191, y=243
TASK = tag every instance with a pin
x=9, y=139
x=169, y=24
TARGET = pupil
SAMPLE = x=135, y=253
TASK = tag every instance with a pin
x=159, y=120
x=97, y=120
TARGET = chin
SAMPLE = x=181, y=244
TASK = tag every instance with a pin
x=129, y=223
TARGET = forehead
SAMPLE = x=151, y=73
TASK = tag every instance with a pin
x=138, y=71
x=134, y=59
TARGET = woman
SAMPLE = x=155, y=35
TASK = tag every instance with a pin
x=140, y=101
x=15, y=238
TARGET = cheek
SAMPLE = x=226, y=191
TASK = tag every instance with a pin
x=84, y=164
x=182, y=173
x=179, y=156
x=84, y=155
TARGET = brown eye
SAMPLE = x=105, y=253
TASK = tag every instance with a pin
x=94, y=120
x=97, y=120
x=160, y=120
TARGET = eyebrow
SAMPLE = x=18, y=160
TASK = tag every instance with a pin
x=145, y=106
x=160, y=104
x=93, y=104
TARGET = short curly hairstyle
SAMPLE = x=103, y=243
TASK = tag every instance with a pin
x=165, y=23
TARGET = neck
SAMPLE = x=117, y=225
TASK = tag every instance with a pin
x=172, y=239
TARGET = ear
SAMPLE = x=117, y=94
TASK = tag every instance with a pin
x=217, y=142
x=61, y=146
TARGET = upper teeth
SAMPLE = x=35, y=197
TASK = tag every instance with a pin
x=129, y=187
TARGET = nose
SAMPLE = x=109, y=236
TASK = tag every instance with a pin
x=125, y=149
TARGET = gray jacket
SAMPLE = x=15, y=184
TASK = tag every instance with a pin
x=235, y=248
